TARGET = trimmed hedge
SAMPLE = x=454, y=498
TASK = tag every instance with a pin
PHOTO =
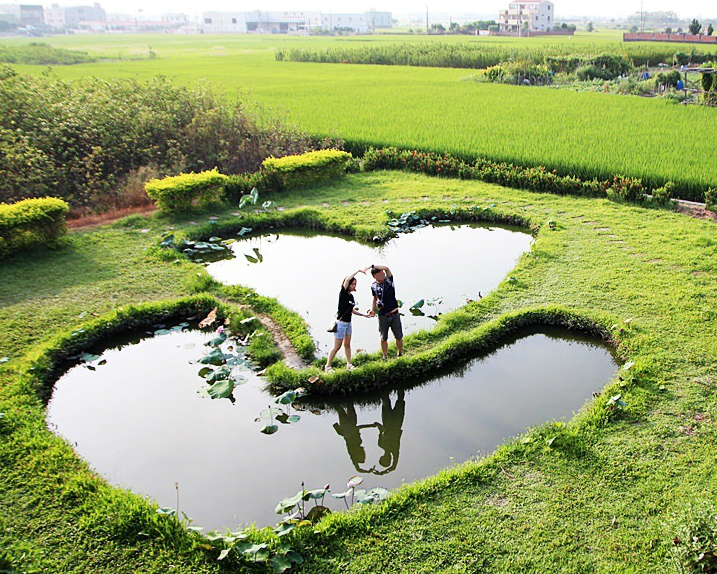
x=31, y=222
x=307, y=168
x=187, y=190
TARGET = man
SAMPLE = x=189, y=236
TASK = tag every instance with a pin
x=384, y=297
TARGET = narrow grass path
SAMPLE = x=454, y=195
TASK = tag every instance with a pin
x=609, y=494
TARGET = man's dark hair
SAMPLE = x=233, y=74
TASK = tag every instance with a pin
x=375, y=271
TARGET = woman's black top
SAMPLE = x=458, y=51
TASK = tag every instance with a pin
x=346, y=305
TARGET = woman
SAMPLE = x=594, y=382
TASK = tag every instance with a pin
x=343, y=320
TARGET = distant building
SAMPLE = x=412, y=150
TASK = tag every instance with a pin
x=359, y=23
x=71, y=16
x=23, y=14
x=291, y=22
x=536, y=15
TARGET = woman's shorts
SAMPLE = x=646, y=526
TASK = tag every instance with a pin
x=342, y=329
x=393, y=322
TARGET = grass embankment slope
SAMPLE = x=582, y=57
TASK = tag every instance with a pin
x=585, y=134
x=608, y=494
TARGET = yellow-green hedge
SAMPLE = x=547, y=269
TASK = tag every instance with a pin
x=307, y=168
x=31, y=222
x=182, y=192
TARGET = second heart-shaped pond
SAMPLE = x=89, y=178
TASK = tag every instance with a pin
x=445, y=266
x=138, y=414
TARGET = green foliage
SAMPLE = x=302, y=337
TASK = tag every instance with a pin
x=31, y=222
x=188, y=190
x=711, y=199
x=695, y=26
x=668, y=79
x=695, y=542
x=663, y=195
x=41, y=54
x=519, y=73
x=534, y=178
x=308, y=168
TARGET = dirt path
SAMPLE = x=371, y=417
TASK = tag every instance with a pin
x=696, y=210
x=291, y=357
x=88, y=221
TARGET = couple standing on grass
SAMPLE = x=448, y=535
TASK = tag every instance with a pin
x=384, y=299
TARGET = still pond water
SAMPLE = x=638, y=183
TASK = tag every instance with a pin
x=304, y=272
x=139, y=419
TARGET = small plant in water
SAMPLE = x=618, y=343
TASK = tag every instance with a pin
x=283, y=416
x=361, y=496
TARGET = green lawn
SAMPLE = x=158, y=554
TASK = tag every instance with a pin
x=585, y=134
x=608, y=494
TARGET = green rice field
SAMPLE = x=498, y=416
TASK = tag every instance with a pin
x=586, y=134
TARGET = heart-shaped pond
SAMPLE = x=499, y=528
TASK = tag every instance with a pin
x=443, y=265
x=139, y=418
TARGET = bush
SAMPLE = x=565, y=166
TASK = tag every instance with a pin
x=182, y=192
x=589, y=72
x=522, y=72
x=81, y=140
x=308, y=168
x=663, y=195
x=31, y=222
x=627, y=188
x=711, y=199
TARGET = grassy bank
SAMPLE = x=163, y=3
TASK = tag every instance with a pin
x=609, y=491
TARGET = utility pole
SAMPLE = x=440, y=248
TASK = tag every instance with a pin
x=642, y=17
x=426, y=20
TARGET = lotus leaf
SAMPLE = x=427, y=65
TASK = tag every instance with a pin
x=243, y=231
x=221, y=389
x=270, y=412
x=269, y=429
x=216, y=357
x=284, y=528
x=251, y=259
x=286, y=399
x=317, y=513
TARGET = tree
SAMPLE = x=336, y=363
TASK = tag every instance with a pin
x=634, y=30
x=695, y=26
x=668, y=30
x=710, y=29
x=590, y=27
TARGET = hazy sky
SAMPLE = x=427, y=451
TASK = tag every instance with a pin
x=610, y=8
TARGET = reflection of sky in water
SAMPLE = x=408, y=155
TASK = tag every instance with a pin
x=304, y=272
x=139, y=421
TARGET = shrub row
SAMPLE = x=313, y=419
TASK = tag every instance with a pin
x=185, y=191
x=182, y=192
x=31, y=222
x=532, y=178
x=564, y=58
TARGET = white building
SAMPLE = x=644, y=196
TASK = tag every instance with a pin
x=291, y=22
x=536, y=15
x=70, y=16
x=359, y=23
x=260, y=22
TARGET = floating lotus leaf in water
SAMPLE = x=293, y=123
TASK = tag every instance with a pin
x=204, y=371
x=251, y=259
x=216, y=357
x=269, y=429
x=270, y=412
x=223, y=372
x=418, y=304
x=417, y=312
x=244, y=231
x=294, y=419
x=216, y=341
x=286, y=399
x=221, y=389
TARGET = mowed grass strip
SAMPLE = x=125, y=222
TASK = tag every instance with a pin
x=608, y=494
x=584, y=134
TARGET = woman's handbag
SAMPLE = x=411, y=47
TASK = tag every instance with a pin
x=333, y=326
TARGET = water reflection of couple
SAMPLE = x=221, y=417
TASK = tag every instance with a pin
x=384, y=301
x=389, y=433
